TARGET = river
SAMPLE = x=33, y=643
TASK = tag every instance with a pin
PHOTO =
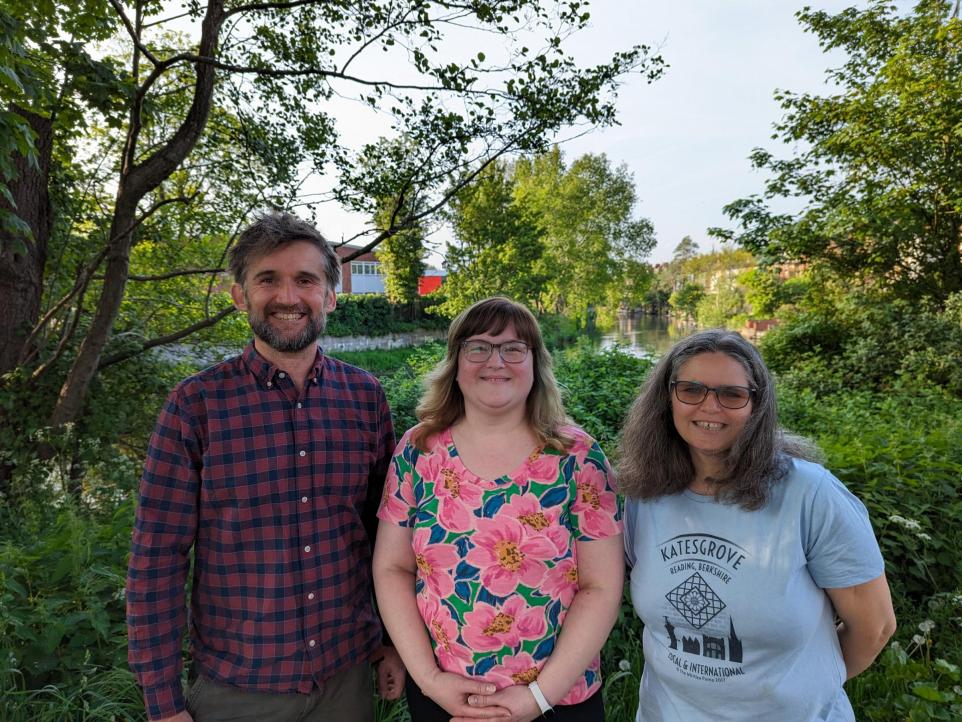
x=645, y=336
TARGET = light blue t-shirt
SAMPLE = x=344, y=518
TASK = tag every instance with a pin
x=737, y=625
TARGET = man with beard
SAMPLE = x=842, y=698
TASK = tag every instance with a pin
x=270, y=465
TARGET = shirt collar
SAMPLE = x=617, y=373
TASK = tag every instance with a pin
x=265, y=372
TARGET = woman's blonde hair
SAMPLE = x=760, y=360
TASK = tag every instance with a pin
x=443, y=403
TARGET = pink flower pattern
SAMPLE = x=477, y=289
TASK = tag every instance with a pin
x=497, y=561
x=488, y=628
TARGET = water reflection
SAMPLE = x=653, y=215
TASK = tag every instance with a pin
x=646, y=336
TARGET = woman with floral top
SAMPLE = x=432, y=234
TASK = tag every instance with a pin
x=498, y=566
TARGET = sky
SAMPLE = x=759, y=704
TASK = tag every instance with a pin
x=686, y=137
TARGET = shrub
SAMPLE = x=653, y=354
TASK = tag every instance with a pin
x=371, y=314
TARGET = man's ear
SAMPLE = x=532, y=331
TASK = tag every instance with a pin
x=237, y=294
x=331, y=301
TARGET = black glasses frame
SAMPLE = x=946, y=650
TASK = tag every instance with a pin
x=493, y=346
x=673, y=387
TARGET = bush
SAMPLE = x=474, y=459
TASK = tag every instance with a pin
x=598, y=387
x=371, y=314
x=871, y=341
x=62, y=610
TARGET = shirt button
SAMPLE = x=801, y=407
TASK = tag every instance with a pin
x=303, y=500
x=302, y=453
x=307, y=548
x=281, y=374
x=269, y=384
x=311, y=595
x=299, y=404
x=312, y=644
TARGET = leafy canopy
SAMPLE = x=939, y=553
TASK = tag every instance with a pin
x=877, y=161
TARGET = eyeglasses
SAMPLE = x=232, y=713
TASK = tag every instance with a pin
x=730, y=397
x=511, y=352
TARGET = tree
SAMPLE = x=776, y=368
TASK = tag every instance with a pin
x=878, y=161
x=687, y=298
x=401, y=254
x=497, y=247
x=684, y=251
x=586, y=212
x=278, y=68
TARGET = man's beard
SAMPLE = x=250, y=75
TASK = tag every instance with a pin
x=266, y=332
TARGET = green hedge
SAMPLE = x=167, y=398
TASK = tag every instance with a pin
x=371, y=314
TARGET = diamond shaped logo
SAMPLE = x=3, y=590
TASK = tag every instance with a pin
x=695, y=601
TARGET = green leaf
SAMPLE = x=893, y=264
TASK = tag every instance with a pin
x=926, y=692
x=947, y=668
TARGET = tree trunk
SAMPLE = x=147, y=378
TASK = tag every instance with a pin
x=21, y=274
x=136, y=181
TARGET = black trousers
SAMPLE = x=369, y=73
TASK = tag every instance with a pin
x=425, y=709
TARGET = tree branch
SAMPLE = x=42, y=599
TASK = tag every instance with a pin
x=132, y=32
x=175, y=274
x=169, y=338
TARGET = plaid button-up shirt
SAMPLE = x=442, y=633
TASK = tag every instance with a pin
x=276, y=490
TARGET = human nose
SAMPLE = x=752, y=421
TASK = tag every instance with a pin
x=495, y=359
x=287, y=293
x=711, y=394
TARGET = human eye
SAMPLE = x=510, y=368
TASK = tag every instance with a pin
x=689, y=391
x=734, y=394
x=477, y=350
x=514, y=348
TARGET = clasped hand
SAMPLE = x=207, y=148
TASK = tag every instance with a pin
x=469, y=699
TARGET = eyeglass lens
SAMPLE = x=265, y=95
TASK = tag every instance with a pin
x=511, y=352
x=731, y=397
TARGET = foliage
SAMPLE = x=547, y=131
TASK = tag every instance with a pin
x=380, y=362
x=498, y=244
x=876, y=161
x=590, y=234
x=404, y=387
x=762, y=291
x=141, y=120
x=907, y=681
x=402, y=254
x=62, y=620
x=559, y=238
x=870, y=340
x=598, y=386
x=687, y=298
x=724, y=306
x=371, y=314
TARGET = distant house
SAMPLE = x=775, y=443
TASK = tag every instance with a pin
x=362, y=275
x=365, y=274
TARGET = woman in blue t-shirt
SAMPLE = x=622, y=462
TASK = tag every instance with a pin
x=744, y=552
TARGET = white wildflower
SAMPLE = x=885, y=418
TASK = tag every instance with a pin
x=918, y=639
x=923, y=536
x=910, y=524
x=624, y=665
x=927, y=626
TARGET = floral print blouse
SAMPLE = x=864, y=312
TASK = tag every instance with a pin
x=497, y=563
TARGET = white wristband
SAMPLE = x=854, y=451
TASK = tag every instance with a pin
x=539, y=697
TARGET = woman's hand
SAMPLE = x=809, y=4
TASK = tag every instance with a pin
x=452, y=692
x=518, y=700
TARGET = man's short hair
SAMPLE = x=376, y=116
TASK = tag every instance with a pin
x=272, y=231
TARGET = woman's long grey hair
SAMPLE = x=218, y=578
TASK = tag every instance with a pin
x=653, y=459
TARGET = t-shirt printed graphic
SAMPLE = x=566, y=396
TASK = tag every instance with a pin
x=737, y=623
x=496, y=560
x=699, y=627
